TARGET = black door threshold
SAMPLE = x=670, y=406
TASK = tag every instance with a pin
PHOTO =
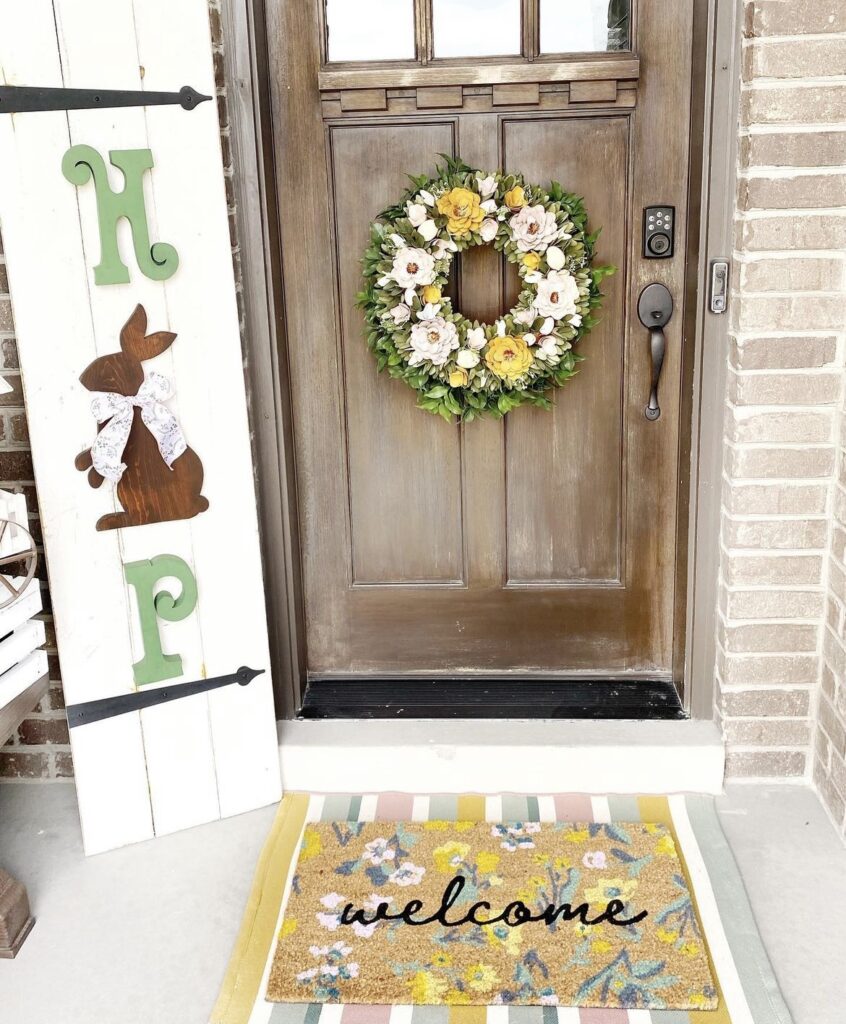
x=502, y=697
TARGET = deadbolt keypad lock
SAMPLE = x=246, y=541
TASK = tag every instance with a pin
x=659, y=232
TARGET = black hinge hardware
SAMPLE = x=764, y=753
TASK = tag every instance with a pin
x=19, y=99
x=109, y=707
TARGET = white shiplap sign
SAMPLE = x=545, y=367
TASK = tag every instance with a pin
x=211, y=755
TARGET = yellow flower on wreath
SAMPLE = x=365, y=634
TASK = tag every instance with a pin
x=463, y=210
x=508, y=358
x=431, y=293
x=531, y=261
x=458, y=378
x=481, y=977
x=515, y=198
x=449, y=856
x=426, y=988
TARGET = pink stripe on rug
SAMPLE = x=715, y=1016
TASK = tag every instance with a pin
x=356, y=1013
x=573, y=807
x=394, y=807
x=596, y=1015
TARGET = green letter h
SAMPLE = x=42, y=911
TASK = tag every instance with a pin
x=157, y=261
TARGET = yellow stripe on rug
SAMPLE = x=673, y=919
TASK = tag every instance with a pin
x=241, y=985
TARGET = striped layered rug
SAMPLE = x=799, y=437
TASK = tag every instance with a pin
x=747, y=990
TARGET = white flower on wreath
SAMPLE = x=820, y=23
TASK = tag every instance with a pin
x=429, y=311
x=547, y=350
x=489, y=206
x=525, y=316
x=442, y=246
x=476, y=338
x=401, y=314
x=413, y=267
x=557, y=295
x=487, y=184
x=417, y=213
x=433, y=340
x=467, y=358
x=426, y=197
x=407, y=874
x=427, y=230
x=555, y=257
x=533, y=228
x=488, y=229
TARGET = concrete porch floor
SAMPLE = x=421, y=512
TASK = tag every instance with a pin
x=143, y=935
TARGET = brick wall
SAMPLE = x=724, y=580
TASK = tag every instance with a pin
x=40, y=749
x=785, y=396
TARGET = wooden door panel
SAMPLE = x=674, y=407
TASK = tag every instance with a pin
x=564, y=470
x=541, y=543
x=404, y=470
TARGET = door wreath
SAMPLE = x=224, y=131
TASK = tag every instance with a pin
x=466, y=368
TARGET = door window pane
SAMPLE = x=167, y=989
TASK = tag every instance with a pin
x=580, y=26
x=370, y=29
x=476, y=28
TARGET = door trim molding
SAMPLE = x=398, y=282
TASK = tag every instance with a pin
x=721, y=22
x=712, y=187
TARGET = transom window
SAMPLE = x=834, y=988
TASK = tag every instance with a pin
x=429, y=30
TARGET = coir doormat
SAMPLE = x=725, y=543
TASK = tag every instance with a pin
x=746, y=990
x=470, y=913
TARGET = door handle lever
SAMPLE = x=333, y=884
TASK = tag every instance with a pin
x=655, y=308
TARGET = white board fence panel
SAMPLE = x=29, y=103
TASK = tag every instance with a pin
x=192, y=760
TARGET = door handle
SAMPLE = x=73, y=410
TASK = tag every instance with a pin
x=654, y=308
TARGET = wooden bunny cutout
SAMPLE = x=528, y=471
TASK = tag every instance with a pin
x=139, y=443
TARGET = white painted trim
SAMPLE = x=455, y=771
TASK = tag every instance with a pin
x=426, y=756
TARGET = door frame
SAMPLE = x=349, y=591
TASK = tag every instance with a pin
x=711, y=190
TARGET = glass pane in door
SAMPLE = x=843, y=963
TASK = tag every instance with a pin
x=370, y=29
x=476, y=28
x=584, y=26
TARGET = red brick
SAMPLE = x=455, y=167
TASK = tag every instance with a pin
x=23, y=765
x=9, y=354
x=15, y=396
x=19, y=430
x=15, y=466
x=64, y=765
x=36, y=732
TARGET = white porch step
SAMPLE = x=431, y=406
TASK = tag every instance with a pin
x=495, y=756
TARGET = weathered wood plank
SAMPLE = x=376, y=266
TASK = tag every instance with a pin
x=480, y=73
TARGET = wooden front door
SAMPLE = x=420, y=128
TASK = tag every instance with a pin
x=545, y=543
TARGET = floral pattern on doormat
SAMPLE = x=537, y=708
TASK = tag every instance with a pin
x=637, y=944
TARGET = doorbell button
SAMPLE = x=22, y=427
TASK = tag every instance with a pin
x=658, y=232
